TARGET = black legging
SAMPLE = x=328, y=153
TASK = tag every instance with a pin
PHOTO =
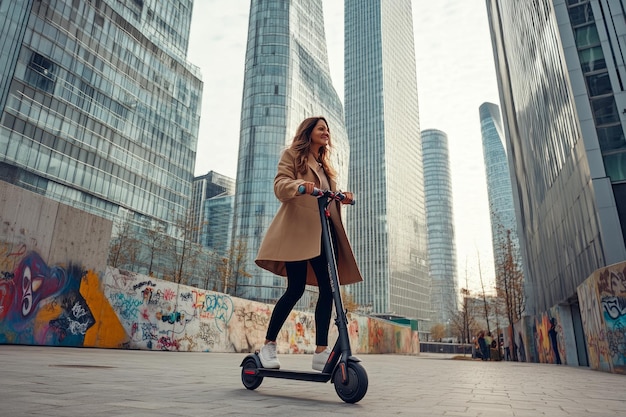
x=296, y=282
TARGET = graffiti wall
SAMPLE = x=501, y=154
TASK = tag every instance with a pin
x=56, y=290
x=602, y=300
x=550, y=337
x=70, y=306
x=160, y=315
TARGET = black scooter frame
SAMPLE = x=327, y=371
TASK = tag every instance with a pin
x=341, y=354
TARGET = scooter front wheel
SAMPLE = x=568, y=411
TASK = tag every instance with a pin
x=249, y=374
x=354, y=389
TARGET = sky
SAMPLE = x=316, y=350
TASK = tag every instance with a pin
x=455, y=75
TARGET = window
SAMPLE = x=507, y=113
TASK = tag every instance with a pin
x=40, y=73
x=592, y=59
x=586, y=36
x=599, y=84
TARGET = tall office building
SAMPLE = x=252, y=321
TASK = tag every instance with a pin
x=440, y=223
x=501, y=208
x=287, y=79
x=388, y=225
x=560, y=78
x=99, y=107
x=212, y=205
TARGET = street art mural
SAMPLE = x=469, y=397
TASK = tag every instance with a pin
x=51, y=305
x=58, y=305
x=160, y=315
x=549, y=343
x=603, y=309
x=41, y=304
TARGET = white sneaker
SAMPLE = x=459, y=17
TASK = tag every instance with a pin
x=267, y=354
x=320, y=359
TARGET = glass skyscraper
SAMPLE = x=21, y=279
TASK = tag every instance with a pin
x=559, y=74
x=99, y=107
x=287, y=79
x=212, y=210
x=387, y=226
x=440, y=222
x=501, y=208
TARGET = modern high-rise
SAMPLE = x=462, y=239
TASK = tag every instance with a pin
x=501, y=208
x=387, y=226
x=99, y=107
x=286, y=79
x=440, y=224
x=212, y=205
x=560, y=74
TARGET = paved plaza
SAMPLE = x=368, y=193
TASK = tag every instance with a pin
x=51, y=382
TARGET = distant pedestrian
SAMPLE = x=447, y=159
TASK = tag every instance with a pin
x=484, y=347
x=553, y=340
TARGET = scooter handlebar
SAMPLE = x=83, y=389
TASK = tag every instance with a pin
x=336, y=195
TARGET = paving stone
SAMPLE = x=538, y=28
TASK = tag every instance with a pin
x=50, y=381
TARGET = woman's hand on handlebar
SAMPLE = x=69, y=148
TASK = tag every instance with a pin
x=308, y=187
x=349, y=197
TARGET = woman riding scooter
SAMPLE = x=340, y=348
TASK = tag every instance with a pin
x=292, y=246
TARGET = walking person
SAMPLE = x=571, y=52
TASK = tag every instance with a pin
x=292, y=246
x=553, y=341
x=484, y=347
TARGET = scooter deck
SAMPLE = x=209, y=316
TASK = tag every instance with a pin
x=297, y=375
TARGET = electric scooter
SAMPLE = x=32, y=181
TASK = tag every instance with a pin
x=345, y=370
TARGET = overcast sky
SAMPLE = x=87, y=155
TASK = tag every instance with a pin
x=455, y=75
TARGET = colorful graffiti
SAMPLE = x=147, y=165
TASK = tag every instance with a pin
x=68, y=306
x=41, y=304
x=603, y=300
x=549, y=343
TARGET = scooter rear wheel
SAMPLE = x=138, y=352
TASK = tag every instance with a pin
x=249, y=374
x=355, y=387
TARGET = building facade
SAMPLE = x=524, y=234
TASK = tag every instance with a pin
x=212, y=205
x=561, y=93
x=388, y=225
x=501, y=208
x=99, y=107
x=287, y=79
x=440, y=223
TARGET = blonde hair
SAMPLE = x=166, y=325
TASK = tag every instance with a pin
x=302, y=145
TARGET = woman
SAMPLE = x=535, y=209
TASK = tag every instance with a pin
x=292, y=246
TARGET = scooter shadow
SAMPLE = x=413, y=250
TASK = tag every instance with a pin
x=302, y=401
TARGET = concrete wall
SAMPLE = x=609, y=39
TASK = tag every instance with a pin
x=56, y=290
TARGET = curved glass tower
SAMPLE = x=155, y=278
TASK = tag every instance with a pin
x=388, y=226
x=287, y=79
x=440, y=221
x=499, y=192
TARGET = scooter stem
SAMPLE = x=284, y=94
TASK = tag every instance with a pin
x=341, y=320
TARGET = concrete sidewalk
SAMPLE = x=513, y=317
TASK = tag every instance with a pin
x=51, y=382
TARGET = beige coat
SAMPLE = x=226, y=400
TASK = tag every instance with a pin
x=295, y=234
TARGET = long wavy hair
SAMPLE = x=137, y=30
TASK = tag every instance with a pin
x=302, y=145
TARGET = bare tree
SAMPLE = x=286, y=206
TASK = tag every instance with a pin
x=124, y=247
x=463, y=322
x=234, y=266
x=510, y=284
x=211, y=272
x=484, y=296
x=184, y=252
x=155, y=242
x=437, y=332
